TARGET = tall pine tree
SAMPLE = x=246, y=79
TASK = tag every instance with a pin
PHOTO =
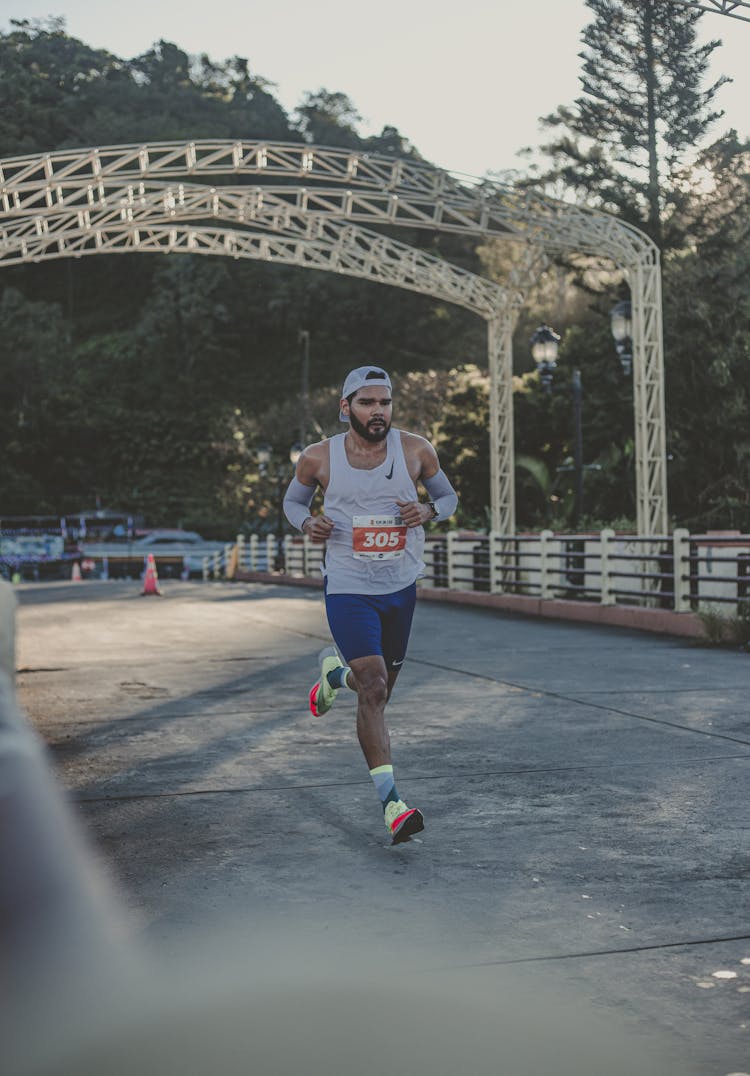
x=642, y=110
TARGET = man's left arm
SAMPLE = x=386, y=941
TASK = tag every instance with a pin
x=443, y=497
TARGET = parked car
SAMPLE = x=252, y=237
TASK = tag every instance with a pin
x=175, y=551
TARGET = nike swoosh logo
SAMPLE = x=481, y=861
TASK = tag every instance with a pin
x=390, y=473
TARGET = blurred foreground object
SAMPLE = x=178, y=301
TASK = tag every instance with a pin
x=289, y=999
x=58, y=939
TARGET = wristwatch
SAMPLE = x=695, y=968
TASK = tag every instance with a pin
x=431, y=504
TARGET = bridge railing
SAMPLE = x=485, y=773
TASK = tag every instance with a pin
x=680, y=571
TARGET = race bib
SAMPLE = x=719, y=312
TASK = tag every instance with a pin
x=378, y=537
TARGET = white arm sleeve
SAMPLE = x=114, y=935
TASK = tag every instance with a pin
x=297, y=501
x=442, y=494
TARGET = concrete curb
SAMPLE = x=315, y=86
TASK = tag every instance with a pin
x=281, y=578
x=661, y=621
x=664, y=621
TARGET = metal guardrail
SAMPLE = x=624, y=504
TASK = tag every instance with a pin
x=681, y=571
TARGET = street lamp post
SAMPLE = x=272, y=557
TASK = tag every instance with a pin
x=545, y=344
x=304, y=396
x=264, y=454
x=621, y=323
x=577, y=390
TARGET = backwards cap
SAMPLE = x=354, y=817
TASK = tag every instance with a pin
x=359, y=378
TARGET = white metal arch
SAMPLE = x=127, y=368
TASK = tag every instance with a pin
x=303, y=185
x=736, y=9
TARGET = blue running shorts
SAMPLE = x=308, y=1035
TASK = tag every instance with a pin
x=366, y=624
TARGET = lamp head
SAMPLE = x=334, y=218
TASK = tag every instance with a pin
x=620, y=317
x=263, y=453
x=545, y=344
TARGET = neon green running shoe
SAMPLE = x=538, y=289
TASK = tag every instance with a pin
x=402, y=822
x=322, y=695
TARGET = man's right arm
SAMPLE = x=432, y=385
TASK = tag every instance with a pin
x=297, y=501
x=300, y=493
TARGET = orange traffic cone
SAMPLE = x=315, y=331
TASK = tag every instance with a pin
x=75, y=575
x=150, y=578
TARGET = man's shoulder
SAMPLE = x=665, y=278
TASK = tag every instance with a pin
x=415, y=443
x=319, y=450
x=314, y=462
x=409, y=438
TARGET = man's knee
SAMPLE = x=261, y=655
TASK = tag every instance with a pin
x=372, y=686
x=374, y=690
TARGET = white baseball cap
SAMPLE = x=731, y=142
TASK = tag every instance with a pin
x=359, y=378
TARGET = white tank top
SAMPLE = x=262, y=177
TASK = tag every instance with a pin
x=369, y=551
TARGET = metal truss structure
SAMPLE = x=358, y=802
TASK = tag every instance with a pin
x=736, y=9
x=339, y=248
x=307, y=206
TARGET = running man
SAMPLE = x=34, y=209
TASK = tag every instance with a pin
x=372, y=526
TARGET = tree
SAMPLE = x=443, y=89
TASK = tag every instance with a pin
x=642, y=111
x=329, y=119
x=34, y=343
x=707, y=351
x=461, y=437
x=57, y=92
x=40, y=68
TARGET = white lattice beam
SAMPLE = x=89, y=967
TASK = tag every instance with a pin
x=388, y=189
x=735, y=9
x=351, y=254
x=375, y=256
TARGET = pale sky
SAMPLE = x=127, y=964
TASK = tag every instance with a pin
x=466, y=81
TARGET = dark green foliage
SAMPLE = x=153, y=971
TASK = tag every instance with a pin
x=329, y=119
x=462, y=442
x=56, y=92
x=34, y=344
x=707, y=312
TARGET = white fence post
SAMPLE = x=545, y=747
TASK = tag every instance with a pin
x=450, y=545
x=240, y=552
x=216, y=568
x=270, y=552
x=496, y=575
x=606, y=538
x=545, y=565
x=205, y=569
x=288, y=547
x=253, y=552
x=305, y=555
x=681, y=564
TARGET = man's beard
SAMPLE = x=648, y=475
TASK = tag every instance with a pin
x=379, y=433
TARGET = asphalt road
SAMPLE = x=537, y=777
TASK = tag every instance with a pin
x=586, y=794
